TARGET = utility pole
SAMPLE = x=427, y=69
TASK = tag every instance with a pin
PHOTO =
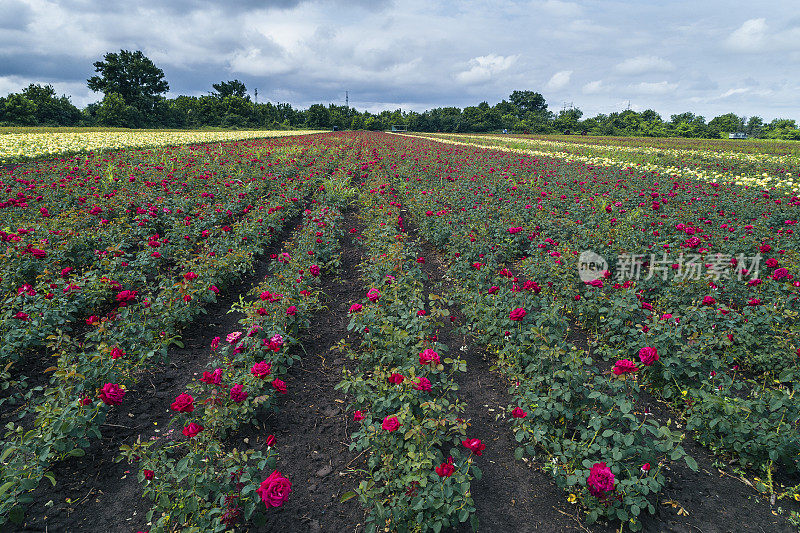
x=347, y=99
x=256, y=95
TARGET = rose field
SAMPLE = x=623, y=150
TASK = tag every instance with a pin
x=362, y=331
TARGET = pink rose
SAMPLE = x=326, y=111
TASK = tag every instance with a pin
x=116, y=352
x=355, y=308
x=291, y=311
x=374, y=295
x=358, y=416
x=314, y=269
x=274, y=491
x=709, y=300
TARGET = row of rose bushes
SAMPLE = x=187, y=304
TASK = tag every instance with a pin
x=54, y=268
x=419, y=465
x=734, y=338
x=196, y=480
x=137, y=331
x=597, y=443
x=729, y=368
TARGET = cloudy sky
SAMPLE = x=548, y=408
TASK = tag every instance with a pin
x=706, y=56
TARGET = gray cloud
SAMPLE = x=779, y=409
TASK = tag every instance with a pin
x=418, y=54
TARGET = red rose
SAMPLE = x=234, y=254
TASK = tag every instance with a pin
x=474, y=445
x=648, y=355
x=279, y=386
x=600, y=480
x=190, y=276
x=274, y=491
x=270, y=441
x=390, y=423
x=358, y=416
x=446, y=469
x=314, y=269
x=237, y=393
x=428, y=357
x=22, y=316
x=184, y=403
x=261, y=369
x=396, y=379
x=517, y=314
x=112, y=394
x=291, y=311
x=116, y=352
x=373, y=295
x=424, y=384
x=355, y=308
x=625, y=366
x=709, y=300
x=192, y=430
x=212, y=378
x=149, y=474
x=518, y=413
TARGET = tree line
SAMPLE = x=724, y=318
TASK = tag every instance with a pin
x=134, y=91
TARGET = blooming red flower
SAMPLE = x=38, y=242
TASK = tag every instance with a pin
x=237, y=393
x=518, y=413
x=190, y=276
x=192, y=430
x=291, y=311
x=624, y=366
x=474, y=445
x=424, y=384
x=314, y=269
x=184, y=403
x=261, y=369
x=358, y=416
x=709, y=300
x=279, y=386
x=517, y=314
x=149, y=474
x=428, y=357
x=600, y=480
x=648, y=355
x=390, y=423
x=112, y=394
x=116, y=352
x=274, y=491
x=212, y=378
x=446, y=469
x=396, y=379
x=355, y=308
x=373, y=295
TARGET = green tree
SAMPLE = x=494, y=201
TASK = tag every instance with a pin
x=131, y=75
x=114, y=112
x=318, y=116
x=755, y=125
x=50, y=109
x=230, y=88
x=724, y=124
x=528, y=101
x=18, y=111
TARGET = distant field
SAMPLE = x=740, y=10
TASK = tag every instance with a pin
x=18, y=145
x=748, y=162
x=745, y=146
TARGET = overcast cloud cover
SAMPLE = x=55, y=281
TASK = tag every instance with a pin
x=709, y=57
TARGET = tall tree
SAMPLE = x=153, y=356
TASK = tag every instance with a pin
x=131, y=75
x=230, y=88
x=528, y=101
